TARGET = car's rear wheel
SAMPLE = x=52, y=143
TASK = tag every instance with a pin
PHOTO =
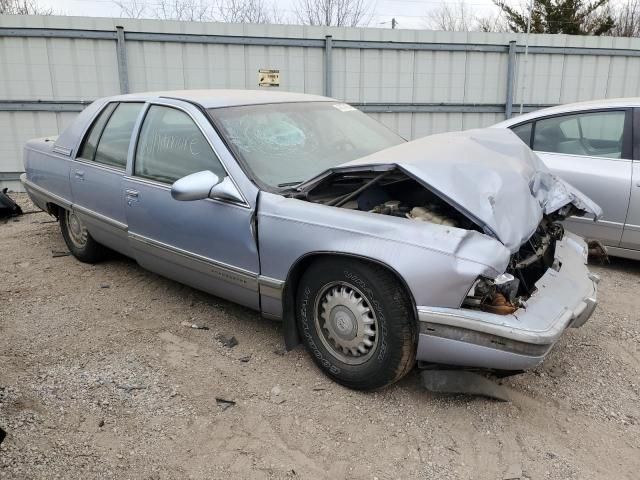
x=78, y=239
x=357, y=321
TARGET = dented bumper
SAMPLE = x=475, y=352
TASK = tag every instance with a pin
x=565, y=297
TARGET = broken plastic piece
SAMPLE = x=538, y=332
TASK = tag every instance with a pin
x=465, y=382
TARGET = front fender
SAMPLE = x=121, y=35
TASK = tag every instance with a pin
x=437, y=263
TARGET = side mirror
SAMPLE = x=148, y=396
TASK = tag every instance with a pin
x=196, y=186
x=226, y=190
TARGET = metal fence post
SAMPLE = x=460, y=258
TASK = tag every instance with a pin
x=121, y=52
x=508, y=107
x=327, y=65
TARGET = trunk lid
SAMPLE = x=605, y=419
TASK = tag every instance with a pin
x=488, y=174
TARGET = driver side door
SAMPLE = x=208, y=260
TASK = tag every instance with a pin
x=208, y=244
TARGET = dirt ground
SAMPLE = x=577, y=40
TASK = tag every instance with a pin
x=100, y=379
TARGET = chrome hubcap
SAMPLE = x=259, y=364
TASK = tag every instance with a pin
x=77, y=231
x=346, y=323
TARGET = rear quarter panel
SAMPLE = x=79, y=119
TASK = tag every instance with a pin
x=47, y=169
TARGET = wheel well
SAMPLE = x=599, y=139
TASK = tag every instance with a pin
x=290, y=326
x=53, y=209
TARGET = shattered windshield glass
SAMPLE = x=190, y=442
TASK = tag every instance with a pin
x=284, y=144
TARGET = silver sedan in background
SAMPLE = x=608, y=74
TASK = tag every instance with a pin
x=595, y=146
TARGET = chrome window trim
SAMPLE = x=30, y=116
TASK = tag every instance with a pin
x=101, y=166
x=223, y=271
x=625, y=160
x=159, y=102
x=166, y=186
x=62, y=150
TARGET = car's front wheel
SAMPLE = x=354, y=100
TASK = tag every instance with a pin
x=78, y=239
x=357, y=321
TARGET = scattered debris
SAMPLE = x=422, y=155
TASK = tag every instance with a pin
x=280, y=351
x=105, y=285
x=461, y=381
x=58, y=253
x=245, y=359
x=514, y=472
x=194, y=326
x=226, y=341
x=8, y=208
x=130, y=388
x=224, y=404
x=101, y=423
x=2, y=434
x=318, y=389
x=276, y=393
x=597, y=251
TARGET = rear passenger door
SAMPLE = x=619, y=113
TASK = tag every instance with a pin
x=592, y=151
x=208, y=244
x=97, y=172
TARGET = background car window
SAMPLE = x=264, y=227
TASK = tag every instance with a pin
x=172, y=146
x=88, y=149
x=524, y=132
x=114, y=141
x=597, y=134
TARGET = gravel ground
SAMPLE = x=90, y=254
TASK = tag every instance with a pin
x=100, y=379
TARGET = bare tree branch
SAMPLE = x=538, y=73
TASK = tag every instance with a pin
x=338, y=13
x=23, y=7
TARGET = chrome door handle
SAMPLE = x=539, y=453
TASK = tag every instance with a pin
x=79, y=174
x=131, y=193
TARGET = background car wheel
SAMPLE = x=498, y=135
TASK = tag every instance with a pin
x=357, y=321
x=78, y=239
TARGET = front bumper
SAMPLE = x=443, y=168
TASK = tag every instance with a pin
x=564, y=298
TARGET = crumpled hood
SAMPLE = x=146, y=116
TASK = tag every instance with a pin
x=488, y=174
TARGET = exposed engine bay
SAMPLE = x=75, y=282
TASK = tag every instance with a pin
x=394, y=193
x=387, y=193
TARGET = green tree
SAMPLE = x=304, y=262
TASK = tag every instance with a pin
x=573, y=17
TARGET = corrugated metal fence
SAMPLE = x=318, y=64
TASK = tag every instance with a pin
x=417, y=82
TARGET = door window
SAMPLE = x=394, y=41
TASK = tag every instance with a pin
x=595, y=134
x=88, y=149
x=116, y=137
x=172, y=146
x=524, y=132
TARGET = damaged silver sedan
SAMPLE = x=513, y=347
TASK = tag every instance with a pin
x=375, y=252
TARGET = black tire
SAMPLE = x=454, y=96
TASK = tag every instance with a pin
x=79, y=241
x=327, y=325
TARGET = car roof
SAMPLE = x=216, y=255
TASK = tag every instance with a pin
x=217, y=98
x=573, y=107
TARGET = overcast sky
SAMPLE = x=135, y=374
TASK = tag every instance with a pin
x=408, y=13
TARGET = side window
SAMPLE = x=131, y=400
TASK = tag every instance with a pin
x=172, y=146
x=88, y=148
x=595, y=134
x=116, y=137
x=524, y=132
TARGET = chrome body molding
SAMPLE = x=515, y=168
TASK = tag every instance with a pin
x=209, y=266
x=98, y=216
x=270, y=287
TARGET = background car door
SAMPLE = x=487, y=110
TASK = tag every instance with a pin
x=631, y=234
x=592, y=151
x=96, y=174
x=208, y=244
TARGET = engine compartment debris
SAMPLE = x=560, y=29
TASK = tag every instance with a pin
x=392, y=193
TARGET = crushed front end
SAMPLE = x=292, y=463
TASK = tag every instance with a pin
x=511, y=322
